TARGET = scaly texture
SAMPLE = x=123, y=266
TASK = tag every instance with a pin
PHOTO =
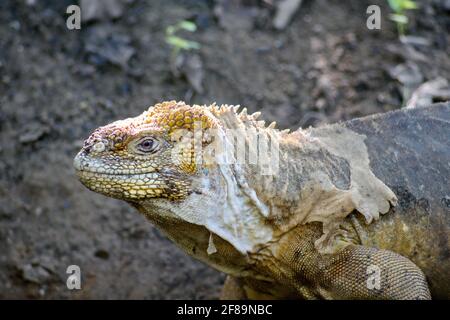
x=288, y=214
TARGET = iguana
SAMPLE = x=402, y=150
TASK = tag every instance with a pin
x=353, y=210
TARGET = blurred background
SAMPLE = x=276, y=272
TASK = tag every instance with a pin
x=301, y=63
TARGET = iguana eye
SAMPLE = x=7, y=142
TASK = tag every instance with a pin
x=147, y=145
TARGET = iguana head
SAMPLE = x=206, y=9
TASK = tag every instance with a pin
x=158, y=162
x=149, y=156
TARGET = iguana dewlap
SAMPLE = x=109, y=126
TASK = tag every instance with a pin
x=355, y=210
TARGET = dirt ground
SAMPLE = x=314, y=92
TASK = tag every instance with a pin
x=57, y=85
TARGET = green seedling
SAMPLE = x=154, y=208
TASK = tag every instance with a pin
x=178, y=43
x=399, y=7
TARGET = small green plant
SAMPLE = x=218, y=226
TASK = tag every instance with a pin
x=399, y=16
x=178, y=43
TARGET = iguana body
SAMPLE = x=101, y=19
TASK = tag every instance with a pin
x=310, y=225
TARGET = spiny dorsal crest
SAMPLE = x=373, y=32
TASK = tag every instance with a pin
x=172, y=115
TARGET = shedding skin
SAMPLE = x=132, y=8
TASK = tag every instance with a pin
x=313, y=227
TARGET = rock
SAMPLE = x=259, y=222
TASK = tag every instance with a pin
x=101, y=9
x=84, y=70
x=415, y=41
x=232, y=15
x=190, y=66
x=102, y=254
x=35, y=273
x=203, y=21
x=33, y=132
x=407, y=53
x=436, y=90
x=285, y=11
x=407, y=74
x=409, y=77
x=444, y=4
x=38, y=211
x=311, y=118
x=193, y=69
x=104, y=45
x=7, y=209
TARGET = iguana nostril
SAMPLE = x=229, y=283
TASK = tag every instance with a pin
x=77, y=162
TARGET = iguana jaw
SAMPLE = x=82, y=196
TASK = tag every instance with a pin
x=111, y=185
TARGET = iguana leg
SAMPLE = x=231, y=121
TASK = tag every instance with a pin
x=233, y=289
x=359, y=272
x=243, y=289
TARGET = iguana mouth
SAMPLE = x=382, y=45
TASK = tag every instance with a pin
x=130, y=180
x=122, y=185
x=92, y=174
x=85, y=165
